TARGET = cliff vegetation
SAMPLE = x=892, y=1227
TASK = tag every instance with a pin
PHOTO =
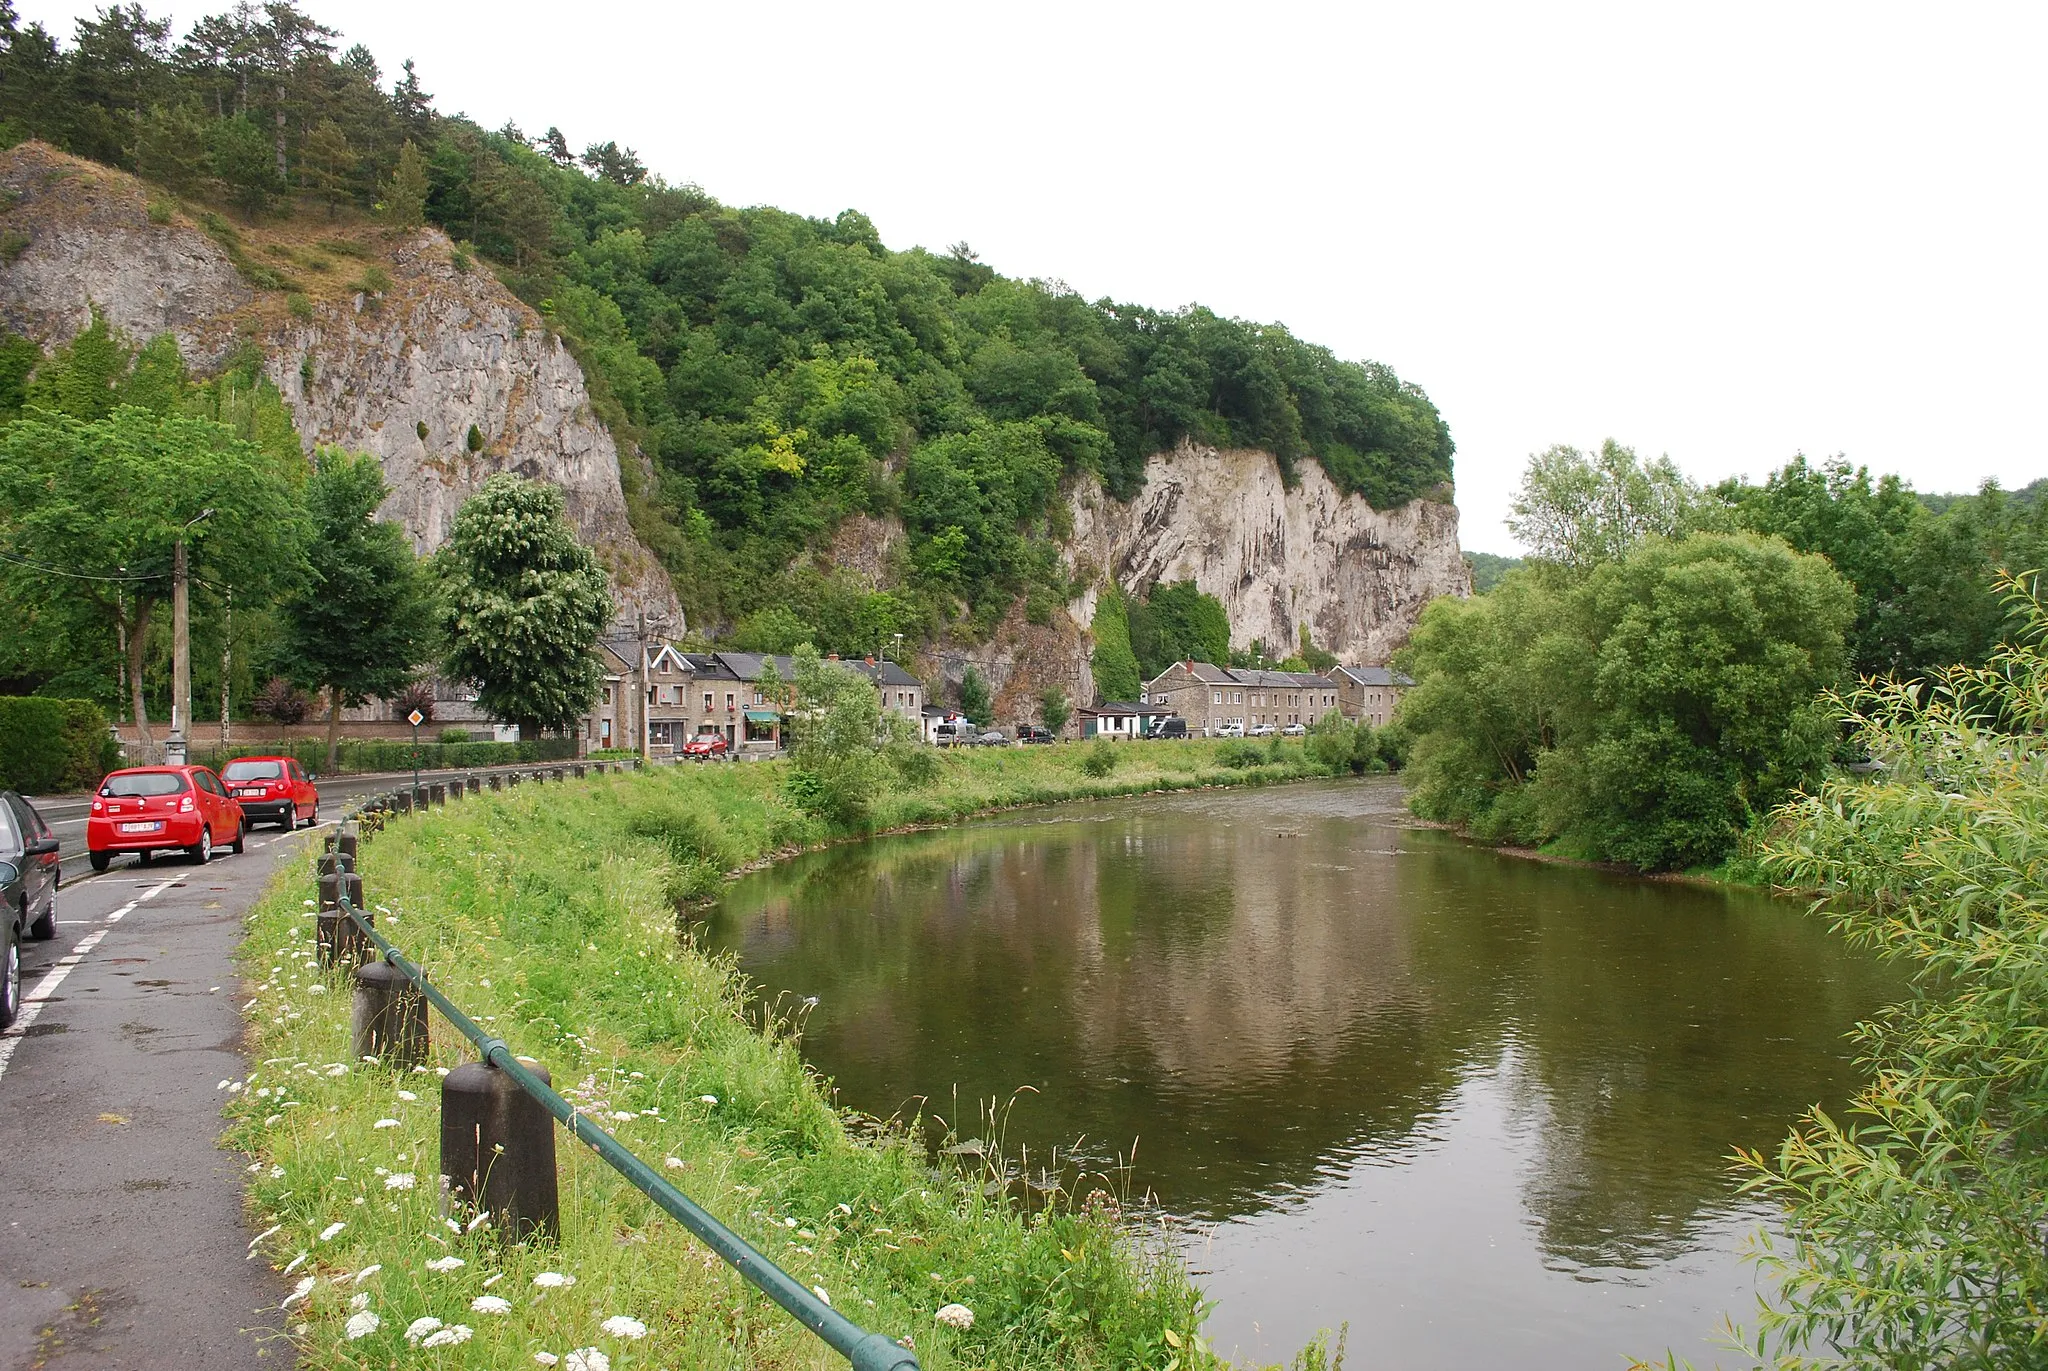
x=778, y=373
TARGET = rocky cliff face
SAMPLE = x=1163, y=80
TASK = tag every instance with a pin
x=1358, y=577
x=403, y=371
x=1278, y=559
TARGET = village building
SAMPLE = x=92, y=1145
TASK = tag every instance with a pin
x=1119, y=719
x=1370, y=694
x=681, y=695
x=1198, y=692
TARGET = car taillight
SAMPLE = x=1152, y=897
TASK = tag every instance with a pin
x=98, y=805
x=185, y=805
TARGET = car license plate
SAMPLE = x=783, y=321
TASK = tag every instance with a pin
x=150, y=827
x=248, y=794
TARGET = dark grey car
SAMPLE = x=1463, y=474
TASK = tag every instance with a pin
x=28, y=892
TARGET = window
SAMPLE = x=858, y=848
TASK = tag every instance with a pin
x=139, y=783
x=254, y=771
x=1215, y=697
x=707, y=701
x=1237, y=697
x=757, y=697
x=664, y=666
x=729, y=699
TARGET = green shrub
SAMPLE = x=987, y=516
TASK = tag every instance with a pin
x=33, y=755
x=90, y=748
x=299, y=306
x=1101, y=759
x=374, y=281
x=1239, y=755
x=454, y=735
x=13, y=243
x=161, y=210
x=475, y=440
x=342, y=247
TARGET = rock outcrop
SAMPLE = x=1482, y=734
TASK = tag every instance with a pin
x=1358, y=577
x=398, y=347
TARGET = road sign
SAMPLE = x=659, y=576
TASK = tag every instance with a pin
x=415, y=718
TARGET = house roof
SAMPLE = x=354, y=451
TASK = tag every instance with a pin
x=1285, y=679
x=614, y=660
x=1120, y=708
x=1206, y=672
x=1375, y=675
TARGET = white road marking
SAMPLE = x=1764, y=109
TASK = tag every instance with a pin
x=32, y=1002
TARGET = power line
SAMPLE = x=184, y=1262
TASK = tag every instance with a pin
x=76, y=575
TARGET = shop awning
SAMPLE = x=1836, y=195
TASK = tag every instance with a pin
x=763, y=716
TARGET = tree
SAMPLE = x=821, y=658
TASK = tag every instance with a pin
x=1114, y=665
x=974, y=701
x=241, y=159
x=362, y=623
x=1581, y=510
x=1054, y=709
x=835, y=759
x=1646, y=712
x=523, y=605
x=1914, y=1223
x=1175, y=623
x=405, y=194
x=98, y=506
x=170, y=147
x=327, y=164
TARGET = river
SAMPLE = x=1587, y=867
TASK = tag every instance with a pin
x=1480, y=1108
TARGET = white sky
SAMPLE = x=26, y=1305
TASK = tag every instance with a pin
x=1729, y=232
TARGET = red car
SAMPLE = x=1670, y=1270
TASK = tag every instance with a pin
x=150, y=809
x=705, y=745
x=272, y=790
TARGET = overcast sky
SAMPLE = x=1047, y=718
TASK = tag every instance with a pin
x=1731, y=233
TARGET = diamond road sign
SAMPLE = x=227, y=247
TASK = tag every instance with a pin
x=415, y=718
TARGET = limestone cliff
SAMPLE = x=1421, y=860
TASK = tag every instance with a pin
x=389, y=344
x=1358, y=577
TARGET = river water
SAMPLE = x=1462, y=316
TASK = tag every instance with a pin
x=1478, y=1107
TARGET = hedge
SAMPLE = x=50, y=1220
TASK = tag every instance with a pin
x=53, y=746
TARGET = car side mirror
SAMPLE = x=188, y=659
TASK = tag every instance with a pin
x=41, y=847
x=9, y=872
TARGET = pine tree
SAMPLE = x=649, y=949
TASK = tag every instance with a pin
x=405, y=194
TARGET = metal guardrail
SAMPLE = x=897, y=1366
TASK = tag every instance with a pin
x=865, y=1350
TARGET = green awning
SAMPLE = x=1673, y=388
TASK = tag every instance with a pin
x=763, y=716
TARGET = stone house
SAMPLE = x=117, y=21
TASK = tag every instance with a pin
x=687, y=694
x=1370, y=693
x=1119, y=719
x=1210, y=696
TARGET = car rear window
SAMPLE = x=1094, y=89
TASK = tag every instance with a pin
x=253, y=771
x=140, y=783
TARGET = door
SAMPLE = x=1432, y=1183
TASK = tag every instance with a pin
x=38, y=870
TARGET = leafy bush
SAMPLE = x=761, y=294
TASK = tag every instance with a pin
x=1100, y=759
x=454, y=735
x=33, y=756
x=1916, y=1230
x=1239, y=754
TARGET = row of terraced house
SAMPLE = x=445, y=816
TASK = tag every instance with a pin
x=675, y=696
x=1212, y=698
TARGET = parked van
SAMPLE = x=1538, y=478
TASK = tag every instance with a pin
x=1172, y=726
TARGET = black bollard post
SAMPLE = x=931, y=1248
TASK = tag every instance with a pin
x=558, y=774
x=498, y=1149
x=497, y=781
x=329, y=843
x=403, y=800
x=339, y=941
x=389, y=1017
x=345, y=843
x=331, y=862
x=470, y=784
x=437, y=793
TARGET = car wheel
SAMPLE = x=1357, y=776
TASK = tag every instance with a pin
x=10, y=976
x=202, y=851
x=241, y=844
x=101, y=860
x=313, y=819
x=45, y=928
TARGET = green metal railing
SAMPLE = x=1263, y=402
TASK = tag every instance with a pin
x=865, y=1350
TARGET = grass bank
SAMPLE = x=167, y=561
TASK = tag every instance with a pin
x=550, y=913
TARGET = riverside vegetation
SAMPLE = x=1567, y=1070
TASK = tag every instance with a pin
x=556, y=924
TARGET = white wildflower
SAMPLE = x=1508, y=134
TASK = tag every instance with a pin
x=446, y=1264
x=338, y=1069
x=359, y=1301
x=956, y=1316
x=273, y=1121
x=589, y=1359
x=361, y=1324
x=624, y=1115
x=553, y=1280
x=419, y=1328
x=707, y=1099
x=399, y=1180
x=407, y=1096
x=546, y=1358
x=491, y=1304
x=277, y=1173
x=372, y=1269
x=621, y=1326
x=452, y=1335
x=494, y=1279
x=478, y=1222
x=328, y=1233
x=296, y=1263
x=316, y=990
x=299, y=1292
x=385, y=1123
x=672, y=1163
x=819, y=1291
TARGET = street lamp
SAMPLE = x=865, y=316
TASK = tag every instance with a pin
x=181, y=645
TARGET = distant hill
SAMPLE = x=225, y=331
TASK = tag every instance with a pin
x=1488, y=568
x=2026, y=497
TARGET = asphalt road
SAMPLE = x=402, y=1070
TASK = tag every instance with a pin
x=123, y=1244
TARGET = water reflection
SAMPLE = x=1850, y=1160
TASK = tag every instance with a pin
x=1294, y=1006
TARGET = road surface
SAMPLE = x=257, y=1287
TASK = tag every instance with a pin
x=122, y=1243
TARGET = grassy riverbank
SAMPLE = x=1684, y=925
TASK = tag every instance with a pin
x=549, y=913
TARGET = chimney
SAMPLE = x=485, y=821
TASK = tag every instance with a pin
x=831, y=656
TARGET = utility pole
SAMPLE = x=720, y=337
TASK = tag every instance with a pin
x=640, y=699
x=181, y=647
x=227, y=659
